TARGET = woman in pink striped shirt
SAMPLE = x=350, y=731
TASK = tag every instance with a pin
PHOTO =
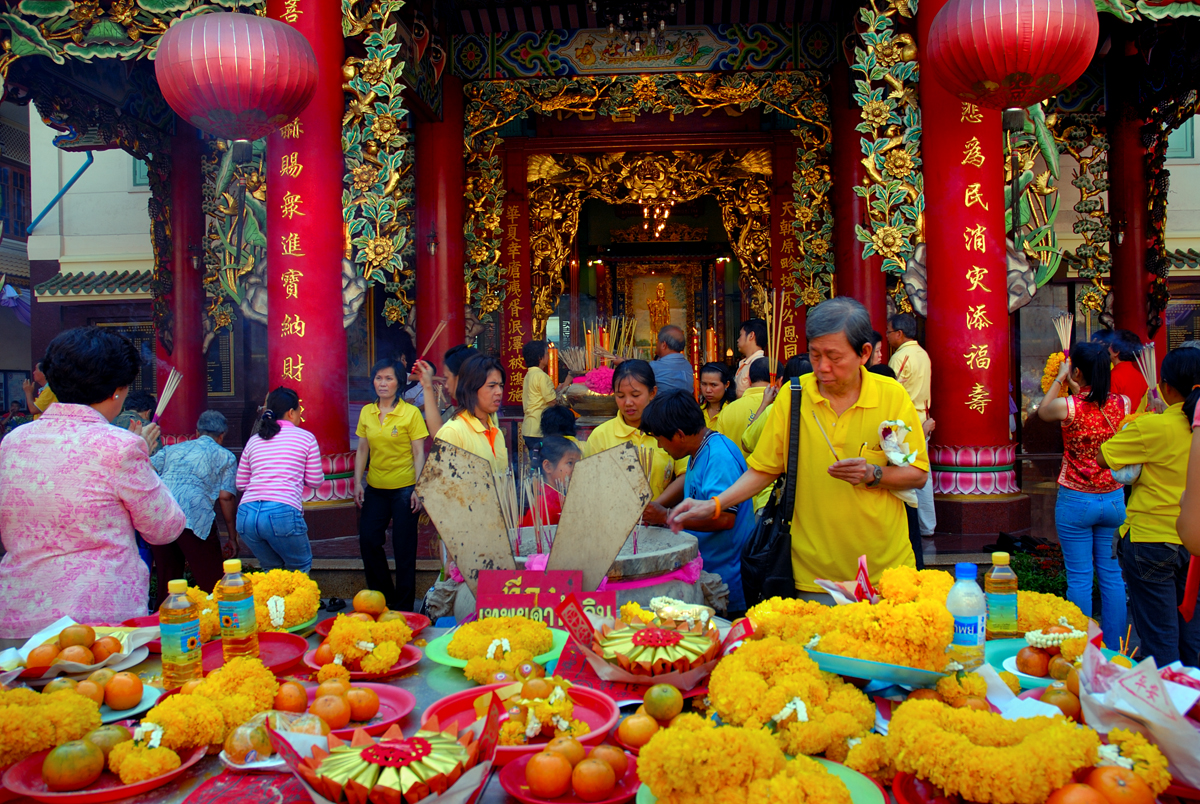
x=277, y=463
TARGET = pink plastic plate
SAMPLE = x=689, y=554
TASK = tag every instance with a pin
x=595, y=708
x=410, y=655
x=416, y=622
x=277, y=650
x=25, y=779
x=512, y=779
x=394, y=704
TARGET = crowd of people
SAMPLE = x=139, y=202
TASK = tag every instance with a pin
x=78, y=495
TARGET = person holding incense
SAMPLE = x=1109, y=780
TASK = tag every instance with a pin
x=751, y=340
x=1127, y=379
x=1149, y=550
x=716, y=391
x=559, y=457
x=714, y=463
x=139, y=407
x=453, y=359
x=478, y=393
x=72, y=491
x=391, y=442
x=1090, y=505
x=278, y=463
x=842, y=462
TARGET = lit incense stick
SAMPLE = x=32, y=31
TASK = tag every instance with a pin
x=826, y=437
x=432, y=339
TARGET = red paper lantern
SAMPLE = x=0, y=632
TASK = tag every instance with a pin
x=1003, y=54
x=235, y=76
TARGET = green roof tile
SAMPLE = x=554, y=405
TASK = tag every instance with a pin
x=66, y=285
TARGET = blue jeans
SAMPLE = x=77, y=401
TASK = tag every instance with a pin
x=1086, y=523
x=277, y=535
x=1156, y=573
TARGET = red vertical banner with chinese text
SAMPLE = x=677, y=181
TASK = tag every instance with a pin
x=785, y=246
x=967, y=329
x=516, y=326
x=306, y=343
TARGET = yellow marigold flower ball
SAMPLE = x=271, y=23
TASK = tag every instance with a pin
x=396, y=632
x=1037, y=611
x=955, y=688
x=512, y=732
x=1072, y=649
x=137, y=763
x=349, y=638
x=869, y=755
x=236, y=709
x=790, y=620
x=631, y=612
x=188, y=721
x=906, y=584
x=245, y=675
x=474, y=639
x=803, y=781
x=332, y=671
x=698, y=762
x=1012, y=681
x=910, y=634
x=1148, y=761
x=20, y=696
x=382, y=659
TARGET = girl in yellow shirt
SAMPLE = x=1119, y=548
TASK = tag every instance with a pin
x=716, y=391
x=478, y=392
x=634, y=388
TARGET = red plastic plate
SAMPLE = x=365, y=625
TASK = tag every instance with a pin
x=25, y=778
x=277, y=650
x=410, y=656
x=594, y=708
x=416, y=622
x=394, y=704
x=512, y=779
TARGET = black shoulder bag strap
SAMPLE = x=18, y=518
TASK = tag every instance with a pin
x=793, y=469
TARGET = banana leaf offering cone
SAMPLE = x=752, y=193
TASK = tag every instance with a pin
x=396, y=769
x=658, y=647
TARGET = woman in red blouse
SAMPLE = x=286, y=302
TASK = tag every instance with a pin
x=1091, y=504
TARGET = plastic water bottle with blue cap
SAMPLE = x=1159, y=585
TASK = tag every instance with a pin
x=968, y=606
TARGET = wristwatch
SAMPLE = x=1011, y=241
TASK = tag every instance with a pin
x=873, y=482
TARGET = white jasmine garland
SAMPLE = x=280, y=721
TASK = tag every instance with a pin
x=338, y=659
x=367, y=646
x=557, y=695
x=796, y=705
x=812, y=643
x=275, y=608
x=953, y=667
x=1111, y=755
x=502, y=644
x=561, y=724
x=533, y=726
x=148, y=734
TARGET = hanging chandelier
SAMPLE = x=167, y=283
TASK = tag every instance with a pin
x=635, y=21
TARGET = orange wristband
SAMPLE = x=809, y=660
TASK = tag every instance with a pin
x=717, y=503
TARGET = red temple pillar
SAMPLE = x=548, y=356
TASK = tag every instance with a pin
x=967, y=328
x=440, y=174
x=306, y=343
x=517, y=320
x=783, y=248
x=858, y=277
x=186, y=299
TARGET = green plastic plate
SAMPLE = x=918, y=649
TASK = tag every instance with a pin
x=436, y=649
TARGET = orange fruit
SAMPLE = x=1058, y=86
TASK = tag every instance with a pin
x=124, y=691
x=334, y=686
x=1072, y=681
x=531, y=670
x=364, y=703
x=108, y=736
x=593, y=780
x=370, y=602
x=636, y=730
x=1059, y=668
x=90, y=689
x=106, y=646
x=189, y=687
x=536, y=688
x=569, y=747
x=333, y=709
x=1121, y=661
x=76, y=653
x=72, y=766
x=1054, y=650
x=614, y=756
x=389, y=615
x=60, y=683
x=924, y=695
x=247, y=744
x=42, y=656
x=663, y=702
x=361, y=615
x=102, y=676
x=1120, y=786
x=82, y=635
x=1076, y=794
x=324, y=654
x=291, y=697
x=309, y=723
x=1058, y=695
x=972, y=702
x=548, y=775
x=1033, y=662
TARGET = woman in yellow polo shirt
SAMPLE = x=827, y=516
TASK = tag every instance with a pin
x=391, y=438
x=716, y=391
x=1151, y=555
x=478, y=392
x=634, y=388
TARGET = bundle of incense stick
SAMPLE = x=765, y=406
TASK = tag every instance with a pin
x=510, y=495
x=258, y=421
x=1062, y=325
x=168, y=391
x=623, y=343
x=1149, y=367
x=432, y=339
x=574, y=358
x=539, y=509
x=775, y=320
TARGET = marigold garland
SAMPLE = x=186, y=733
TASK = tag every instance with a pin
x=32, y=722
x=245, y=675
x=1037, y=610
x=522, y=633
x=790, y=620
x=1148, y=761
x=1072, y=649
x=694, y=762
x=480, y=669
x=210, y=621
x=870, y=755
x=906, y=584
x=135, y=763
x=351, y=639
x=911, y=634
x=395, y=632
x=300, y=594
x=552, y=716
x=332, y=671
x=188, y=721
x=985, y=758
x=1011, y=680
x=632, y=611
x=1050, y=373
x=382, y=659
x=802, y=781
x=958, y=687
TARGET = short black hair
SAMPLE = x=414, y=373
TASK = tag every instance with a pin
x=87, y=365
x=876, y=337
x=405, y=351
x=758, y=328
x=672, y=412
x=457, y=355
x=533, y=352
x=883, y=370
x=906, y=323
x=636, y=370
x=796, y=366
x=140, y=400
x=1181, y=371
x=1122, y=341
x=473, y=375
x=555, y=447
x=760, y=370
x=558, y=420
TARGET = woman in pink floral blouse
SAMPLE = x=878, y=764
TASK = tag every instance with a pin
x=72, y=491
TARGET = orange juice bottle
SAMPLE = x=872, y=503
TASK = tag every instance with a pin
x=179, y=623
x=235, y=606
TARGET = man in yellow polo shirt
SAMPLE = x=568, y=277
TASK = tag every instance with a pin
x=739, y=414
x=45, y=399
x=844, y=507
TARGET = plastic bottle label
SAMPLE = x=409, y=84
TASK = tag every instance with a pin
x=237, y=618
x=181, y=642
x=1002, y=609
x=969, y=631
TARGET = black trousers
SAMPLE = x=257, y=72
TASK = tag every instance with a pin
x=381, y=506
x=202, y=557
x=914, y=535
